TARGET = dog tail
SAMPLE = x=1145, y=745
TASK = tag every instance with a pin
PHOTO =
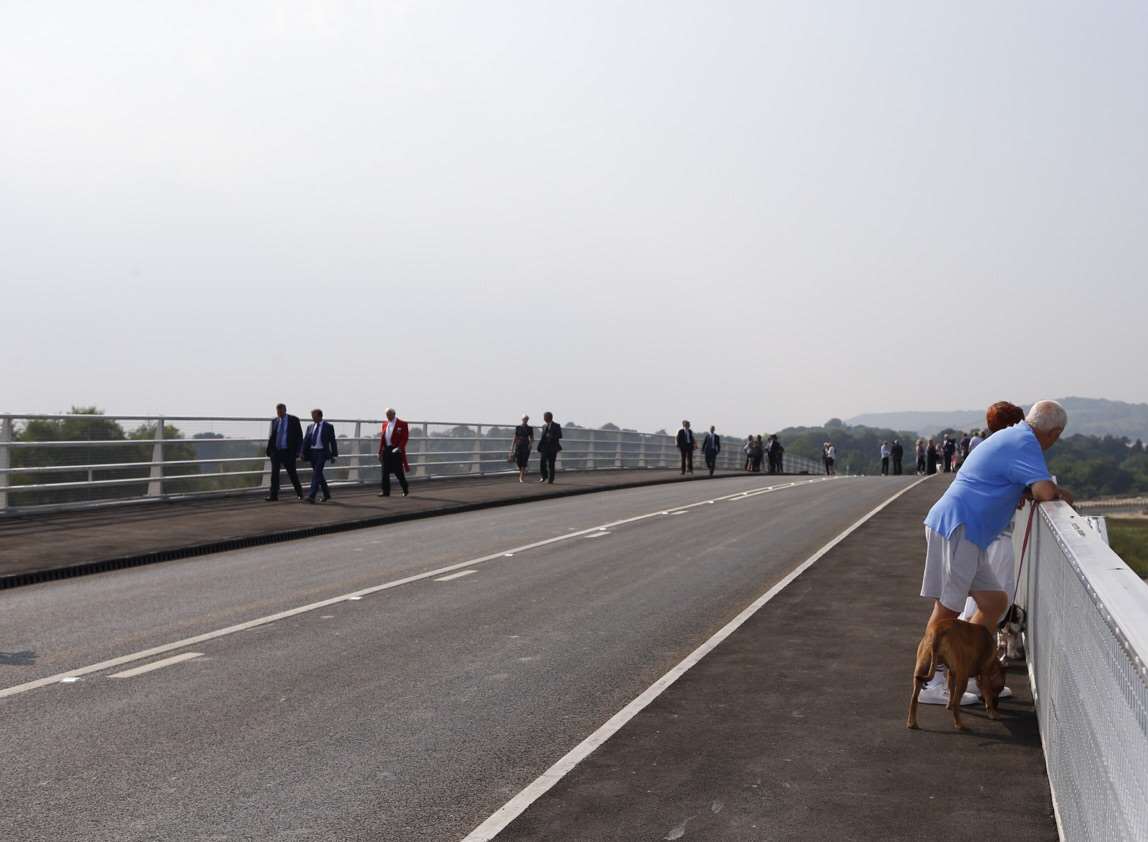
x=934, y=654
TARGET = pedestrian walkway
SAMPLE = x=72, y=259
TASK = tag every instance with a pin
x=37, y=547
x=794, y=727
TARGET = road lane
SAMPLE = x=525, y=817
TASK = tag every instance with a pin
x=409, y=714
x=58, y=626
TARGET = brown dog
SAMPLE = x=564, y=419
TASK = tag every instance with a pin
x=967, y=649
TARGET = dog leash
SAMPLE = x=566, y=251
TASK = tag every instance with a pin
x=1023, y=552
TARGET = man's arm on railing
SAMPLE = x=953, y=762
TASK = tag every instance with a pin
x=1047, y=490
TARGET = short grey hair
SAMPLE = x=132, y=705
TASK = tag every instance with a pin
x=1046, y=416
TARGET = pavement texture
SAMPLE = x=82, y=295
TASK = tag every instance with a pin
x=40, y=547
x=411, y=713
x=794, y=727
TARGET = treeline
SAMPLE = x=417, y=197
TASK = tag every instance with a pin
x=1090, y=466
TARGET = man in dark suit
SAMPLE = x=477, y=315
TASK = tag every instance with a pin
x=319, y=445
x=776, y=455
x=898, y=457
x=711, y=447
x=687, y=444
x=283, y=449
x=549, y=443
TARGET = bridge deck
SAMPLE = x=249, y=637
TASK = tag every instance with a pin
x=36, y=546
x=794, y=727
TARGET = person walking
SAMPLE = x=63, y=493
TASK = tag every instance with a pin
x=948, y=450
x=522, y=445
x=758, y=454
x=886, y=452
x=931, y=457
x=920, y=457
x=747, y=448
x=549, y=443
x=831, y=459
x=319, y=447
x=283, y=449
x=711, y=447
x=776, y=455
x=393, y=452
x=898, y=453
x=687, y=444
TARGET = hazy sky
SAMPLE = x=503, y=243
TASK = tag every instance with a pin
x=751, y=214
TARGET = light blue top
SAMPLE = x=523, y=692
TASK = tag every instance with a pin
x=984, y=495
x=281, y=442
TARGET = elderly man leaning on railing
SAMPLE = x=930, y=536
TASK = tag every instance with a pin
x=977, y=507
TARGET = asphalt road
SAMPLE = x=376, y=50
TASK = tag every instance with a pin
x=412, y=712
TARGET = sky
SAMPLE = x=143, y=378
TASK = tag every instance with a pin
x=750, y=214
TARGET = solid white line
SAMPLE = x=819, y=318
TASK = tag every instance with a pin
x=325, y=603
x=515, y=806
x=155, y=665
x=458, y=575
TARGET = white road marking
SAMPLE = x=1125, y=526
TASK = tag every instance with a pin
x=458, y=575
x=537, y=788
x=155, y=665
x=70, y=679
x=597, y=535
x=195, y=640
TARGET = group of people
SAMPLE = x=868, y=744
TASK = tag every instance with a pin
x=768, y=451
x=970, y=564
x=549, y=444
x=948, y=455
x=287, y=443
x=892, y=452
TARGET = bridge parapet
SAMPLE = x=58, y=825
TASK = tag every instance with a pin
x=1087, y=646
x=78, y=460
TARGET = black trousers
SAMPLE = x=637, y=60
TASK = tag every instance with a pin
x=711, y=462
x=885, y=466
x=687, y=459
x=548, y=465
x=897, y=465
x=393, y=464
x=284, y=459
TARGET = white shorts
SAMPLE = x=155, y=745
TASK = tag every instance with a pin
x=1002, y=559
x=954, y=568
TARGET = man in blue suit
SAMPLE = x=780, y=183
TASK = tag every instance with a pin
x=283, y=449
x=711, y=447
x=318, y=446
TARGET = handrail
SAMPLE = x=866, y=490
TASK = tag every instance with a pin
x=437, y=449
x=1087, y=642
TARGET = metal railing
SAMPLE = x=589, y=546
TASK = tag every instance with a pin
x=53, y=461
x=1087, y=643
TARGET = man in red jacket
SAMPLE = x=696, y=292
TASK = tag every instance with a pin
x=393, y=452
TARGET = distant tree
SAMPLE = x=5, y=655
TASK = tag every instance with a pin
x=208, y=436
x=611, y=427
x=834, y=423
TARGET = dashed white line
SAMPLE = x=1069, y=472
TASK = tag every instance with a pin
x=335, y=600
x=458, y=575
x=155, y=665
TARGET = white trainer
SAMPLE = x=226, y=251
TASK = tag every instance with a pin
x=936, y=692
x=973, y=687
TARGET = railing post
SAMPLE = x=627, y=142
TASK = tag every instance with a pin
x=477, y=449
x=642, y=451
x=591, y=459
x=5, y=459
x=424, y=470
x=356, y=454
x=155, y=473
x=619, y=458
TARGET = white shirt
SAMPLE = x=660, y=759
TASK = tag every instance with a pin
x=390, y=432
x=885, y=451
x=317, y=434
x=831, y=452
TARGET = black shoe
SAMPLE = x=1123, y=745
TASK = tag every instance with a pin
x=383, y=494
x=326, y=497
x=298, y=495
x=309, y=500
x=405, y=493
x=271, y=499
x=542, y=480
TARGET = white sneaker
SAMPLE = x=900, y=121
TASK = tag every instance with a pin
x=936, y=692
x=1005, y=693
